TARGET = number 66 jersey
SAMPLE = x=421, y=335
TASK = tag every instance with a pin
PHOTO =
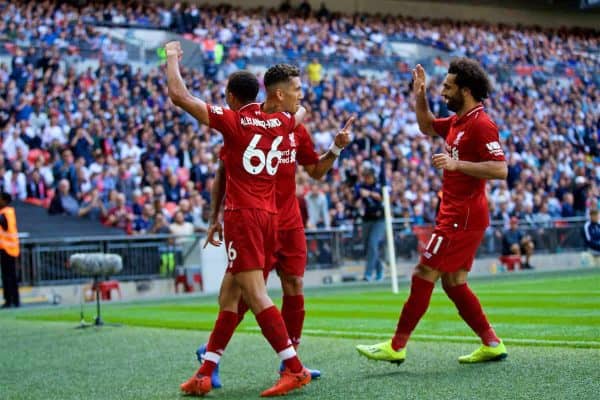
x=254, y=143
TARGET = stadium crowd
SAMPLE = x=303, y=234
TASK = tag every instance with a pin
x=107, y=144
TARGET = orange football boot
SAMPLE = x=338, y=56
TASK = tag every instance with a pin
x=287, y=382
x=197, y=385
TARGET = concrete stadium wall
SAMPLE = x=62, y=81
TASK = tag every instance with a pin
x=546, y=17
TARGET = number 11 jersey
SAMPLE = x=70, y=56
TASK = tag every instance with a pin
x=254, y=143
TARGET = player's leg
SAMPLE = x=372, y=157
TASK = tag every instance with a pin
x=423, y=282
x=227, y=297
x=273, y=328
x=292, y=306
x=469, y=308
x=207, y=375
x=290, y=264
x=292, y=311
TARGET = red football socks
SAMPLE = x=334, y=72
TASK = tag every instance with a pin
x=292, y=312
x=470, y=310
x=274, y=331
x=415, y=307
x=219, y=338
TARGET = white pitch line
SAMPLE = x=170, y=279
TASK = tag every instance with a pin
x=373, y=335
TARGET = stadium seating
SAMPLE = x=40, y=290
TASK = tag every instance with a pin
x=542, y=144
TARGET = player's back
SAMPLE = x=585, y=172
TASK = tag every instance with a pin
x=254, y=142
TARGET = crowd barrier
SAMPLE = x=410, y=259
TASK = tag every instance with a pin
x=45, y=261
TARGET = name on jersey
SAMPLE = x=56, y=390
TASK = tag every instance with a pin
x=269, y=123
x=494, y=148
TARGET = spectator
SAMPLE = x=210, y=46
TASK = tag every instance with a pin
x=567, y=206
x=515, y=242
x=15, y=182
x=181, y=228
x=63, y=202
x=81, y=143
x=92, y=207
x=172, y=188
x=36, y=186
x=315, y=71
x=318, y=211
x=160, y=226
x=143, y=223
x=591, y=232
x=591, y=236
x=580, y=194
x=368, y=193
x=65, y=169
x=120, y=216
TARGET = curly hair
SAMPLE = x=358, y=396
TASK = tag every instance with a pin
x=280, y=73
x=470, y=74
x=243, y=85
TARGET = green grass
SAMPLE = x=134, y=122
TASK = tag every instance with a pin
x=550, y=322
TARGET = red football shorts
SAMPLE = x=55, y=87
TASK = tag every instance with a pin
x=451, y=250
x=290, y=256
x=250, y=239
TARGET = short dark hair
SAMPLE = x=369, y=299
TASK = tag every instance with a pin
x=470, y=74
x=6, y=197
x=280, y=73
x=243, y=85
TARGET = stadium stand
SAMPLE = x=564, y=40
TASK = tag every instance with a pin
x=112, y=127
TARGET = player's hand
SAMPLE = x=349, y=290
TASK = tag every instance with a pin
x=210, y=235
x=419, y=80
x=343, y=139
x=364, y=193
x=444, y=161
x=173, y=49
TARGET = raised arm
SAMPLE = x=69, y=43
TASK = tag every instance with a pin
x=217, y=194
x=424, y=116
x=178, y=92
x=342, y=139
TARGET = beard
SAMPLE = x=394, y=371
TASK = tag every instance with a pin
x=456, y=103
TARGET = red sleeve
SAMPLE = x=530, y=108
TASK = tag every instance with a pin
x=222, y=153
x=306, y=154
x=488, y=145
x=222, y=119
x=441, y=126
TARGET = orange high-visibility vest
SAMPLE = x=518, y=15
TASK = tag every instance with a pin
x=9, y=239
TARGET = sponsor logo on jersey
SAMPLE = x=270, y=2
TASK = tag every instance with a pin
x=494, y=148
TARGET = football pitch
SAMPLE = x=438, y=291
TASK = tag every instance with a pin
x=549, y=321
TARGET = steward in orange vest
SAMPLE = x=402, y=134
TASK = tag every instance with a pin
x=9, y=251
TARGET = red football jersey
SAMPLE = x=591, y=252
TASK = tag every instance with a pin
x=253, y=146
x=302, y=151
x=473, y=137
